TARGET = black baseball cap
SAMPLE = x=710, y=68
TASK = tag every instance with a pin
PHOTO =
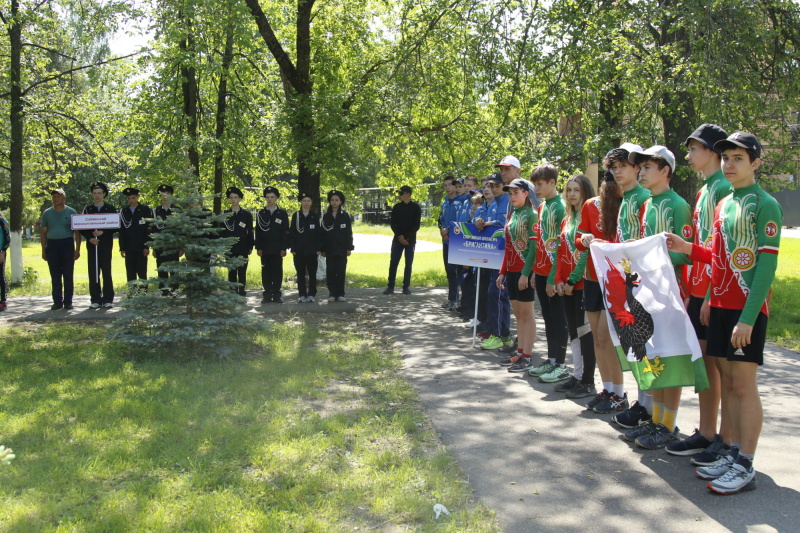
x=496, y=178
x=742, y=139
x=520, y=183
x=708, y=135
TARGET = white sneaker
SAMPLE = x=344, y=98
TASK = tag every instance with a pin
x=340, y=299
x=302, y=300
x=109, y=305
x=331, y=299
x=472, y=323
x=310, y=299
x=94, y=306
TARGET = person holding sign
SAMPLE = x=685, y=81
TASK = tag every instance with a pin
x=61, y=247
x=102, y=243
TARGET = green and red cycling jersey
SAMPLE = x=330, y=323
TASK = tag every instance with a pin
x=551, y=213
x=571, y=262
x=590, y=225
x=713, y=191
x=520, y=252
x=668, y=212
x=744, y=251
x=630, y=210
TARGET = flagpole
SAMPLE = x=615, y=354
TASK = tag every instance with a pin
x=477, y=303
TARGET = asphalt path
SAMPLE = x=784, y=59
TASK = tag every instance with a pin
x=540, y=461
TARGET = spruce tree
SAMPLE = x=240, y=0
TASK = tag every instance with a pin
x=194, y=310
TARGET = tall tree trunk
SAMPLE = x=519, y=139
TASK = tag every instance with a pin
x=298, y=90
x=222, y=107
x=189, y=90
x=17, y=120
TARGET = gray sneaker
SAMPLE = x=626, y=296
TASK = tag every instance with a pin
x=632, y=434
x=715, y=470
x=658, y=438
x=738, y=478
x=569, y=384
x=582, y=390
x=716, y=451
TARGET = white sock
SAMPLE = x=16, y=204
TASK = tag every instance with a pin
x=577, y=357
x=607, y=385
x=619, y=389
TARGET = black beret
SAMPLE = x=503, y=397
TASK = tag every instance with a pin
x=272, y=190
x=101, y=186
x=335, y=192
x=129, y=191
x=166, y=188
x=234, y=190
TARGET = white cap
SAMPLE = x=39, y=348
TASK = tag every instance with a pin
x=658, y=151
x=509, y=161
x=630, y=147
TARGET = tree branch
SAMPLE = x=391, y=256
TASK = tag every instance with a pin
x=265, y=29
x=51, y=50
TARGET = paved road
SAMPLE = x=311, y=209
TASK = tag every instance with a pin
x=541, y=461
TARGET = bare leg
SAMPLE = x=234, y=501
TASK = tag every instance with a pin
x=526, y=325
x=740, y=393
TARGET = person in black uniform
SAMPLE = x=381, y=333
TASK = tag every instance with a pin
x=101, y=243
x=406, y=217
x=337, y=243
x=304, y=241
x=160, y=215
x=272, y=236
x=134, y=235
x=240, y=225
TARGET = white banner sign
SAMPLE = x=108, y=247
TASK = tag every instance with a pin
x=98, y=221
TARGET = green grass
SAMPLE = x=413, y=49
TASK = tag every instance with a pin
x=784, y=308
x=263, y=441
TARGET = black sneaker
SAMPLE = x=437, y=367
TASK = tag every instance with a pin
x=716, y=451
x=690, y=445
x=599, y=397
x=633, y=417
x=277, y=299
x=510, y=360
x=612, y=404
x=582, y=390
x=67, y=306
x=564, y=386
x=522, y=365
x=56, y=307
x=266, y=300
x=388, y=291
x=406, y=291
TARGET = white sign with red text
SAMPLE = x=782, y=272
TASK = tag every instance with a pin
x=96, y=221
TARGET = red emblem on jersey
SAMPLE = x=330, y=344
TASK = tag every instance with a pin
x=771, y=230
x=687, y=232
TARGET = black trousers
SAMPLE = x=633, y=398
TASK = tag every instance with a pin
x=239, y=275
x=135, y=265
x=394, y=261
x=337, y=269
x=100, y=293
x=576, y=318
x=272, y=275
x=306, y=265
x=555, y=321
x=160, y=260
x=60, y=255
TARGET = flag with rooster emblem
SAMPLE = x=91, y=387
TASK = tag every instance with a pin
x=649, y=327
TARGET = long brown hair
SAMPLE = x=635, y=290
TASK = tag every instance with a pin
x=587, y=191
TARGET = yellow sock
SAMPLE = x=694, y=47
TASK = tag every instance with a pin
x=668, y=418
x=657, y=410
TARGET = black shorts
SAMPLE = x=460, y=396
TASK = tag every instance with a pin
x=512, y=284
x=693, y=310
x=720, y=329
x=593, y=300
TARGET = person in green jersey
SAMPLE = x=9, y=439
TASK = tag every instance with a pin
x=626, y=174
x=515, y=271
x=705, y=445
x=551, y=213
x=61, y=247
x=664, y=211
x=743, y=259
